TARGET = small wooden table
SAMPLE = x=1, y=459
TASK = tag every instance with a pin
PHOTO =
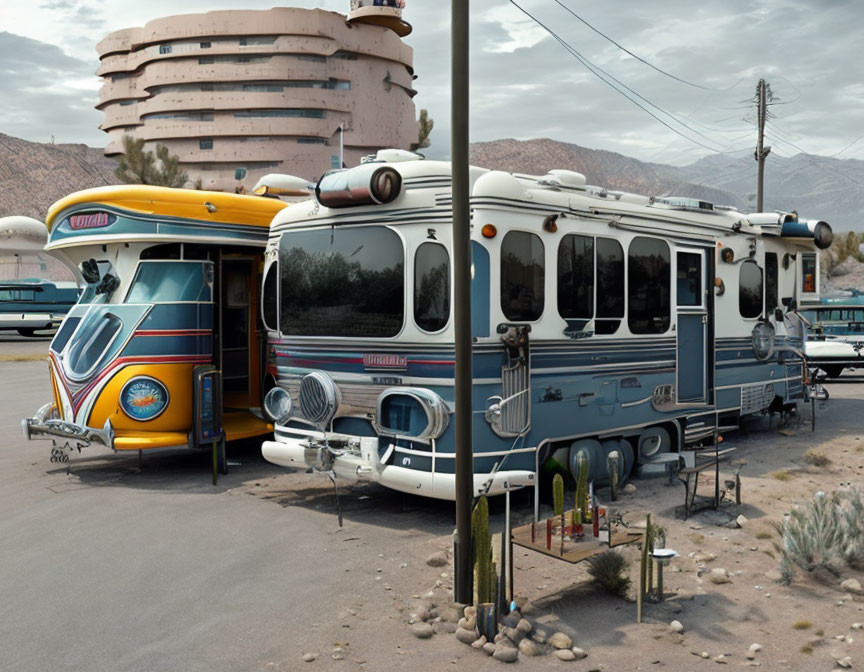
x=571, y=551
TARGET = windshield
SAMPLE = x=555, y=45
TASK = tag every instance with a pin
x=170, y=281
x=342, y=282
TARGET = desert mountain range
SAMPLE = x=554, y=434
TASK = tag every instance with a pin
x=34, y=175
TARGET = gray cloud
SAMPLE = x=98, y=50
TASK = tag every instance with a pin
x=805, y=48
x=41, y=106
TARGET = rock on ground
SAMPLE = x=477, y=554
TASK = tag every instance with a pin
x=309, y=657
x=561, y=641
x=506, y=654
x=489, y=648
x=719, y=575
x=437, y=559
x=466, y=636
x=676, y=626
x=529, y=648
x=579, y=653
x=422, y=630
x=852, y=586
x=565, y=654
x=479, y=643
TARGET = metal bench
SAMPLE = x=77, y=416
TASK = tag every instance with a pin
x=703, y=460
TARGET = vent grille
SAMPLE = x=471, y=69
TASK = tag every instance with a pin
x=756, y=398
x=319, y=398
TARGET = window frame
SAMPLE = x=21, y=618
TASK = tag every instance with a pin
x=501, y=276
x=592, y=312
x=761, y=313
x=449, y=286
x=629, y=280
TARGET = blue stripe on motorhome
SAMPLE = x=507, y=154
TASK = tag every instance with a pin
x=179, y=316
x=168, y=345
x=479, y=291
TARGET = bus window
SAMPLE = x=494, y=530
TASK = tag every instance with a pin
x=269, y=300
x=771, y=290
x=649, y=281
x=343, y=282
x=169, y=281
x=523, y=271
x=576, y=277
x=750, y=289
x=431, y=287
x=808, y=273
x=689, y=279
x=610, y=286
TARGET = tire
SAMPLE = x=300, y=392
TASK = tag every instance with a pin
x=625, y=447
x=594, y=453
x=833, y=371
x=623, y=466
x=221, y=458
x=653, y=441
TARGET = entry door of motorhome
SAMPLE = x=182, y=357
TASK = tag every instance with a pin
x=239, y=332
x=692, y=355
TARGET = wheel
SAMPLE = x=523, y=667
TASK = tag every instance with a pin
x=593, y=453
x=625, y=447
x=624, y=465
x=653, y=441
x=221, y=459
x=833, y=371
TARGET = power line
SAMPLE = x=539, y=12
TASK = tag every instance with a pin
x=596, y=70
x=809, y=158
x=639, y=58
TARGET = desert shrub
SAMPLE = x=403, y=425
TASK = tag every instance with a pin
x=802, y=625
x=825, y=533
x=816, y=458
x=607, y=571
x=781, y=475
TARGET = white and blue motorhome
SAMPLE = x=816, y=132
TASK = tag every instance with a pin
x=601, y=321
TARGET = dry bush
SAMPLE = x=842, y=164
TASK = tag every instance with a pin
x=607, y=571
x=826, y=533
x=816, y=458
x=781, y=475
x=802, y=625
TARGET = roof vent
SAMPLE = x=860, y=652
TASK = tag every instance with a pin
x=276, y=184
x=392, y=156
x=684, y=203
x=563, y=179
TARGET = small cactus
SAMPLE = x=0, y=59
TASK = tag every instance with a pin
x=558, y=494
x=482, y=551
x=582, y=490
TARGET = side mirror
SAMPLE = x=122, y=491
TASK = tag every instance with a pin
x=90, y=271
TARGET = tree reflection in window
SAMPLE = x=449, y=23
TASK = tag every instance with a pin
x=431, y=287
x=523, y=272
x=342, y=282
x=750, y=289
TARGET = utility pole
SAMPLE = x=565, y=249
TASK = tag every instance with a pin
x=463, y=374
x=763, y=91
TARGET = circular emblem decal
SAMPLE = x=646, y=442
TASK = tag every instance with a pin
x=143, y=398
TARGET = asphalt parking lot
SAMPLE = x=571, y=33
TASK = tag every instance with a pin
x=114, y=567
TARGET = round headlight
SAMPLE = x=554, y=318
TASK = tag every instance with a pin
x=277, y=405
x=763, y=340
x=143, y=398
x=319, y=398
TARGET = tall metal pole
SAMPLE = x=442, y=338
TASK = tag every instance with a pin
x=761, y=150
x=463, y=569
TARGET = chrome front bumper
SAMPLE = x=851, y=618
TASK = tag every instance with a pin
x=41, y=426
x=364, y=464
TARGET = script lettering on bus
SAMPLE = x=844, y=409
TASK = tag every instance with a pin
x=385, y=361
x=90, y=220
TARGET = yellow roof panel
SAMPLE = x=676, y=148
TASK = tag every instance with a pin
x=211, y=206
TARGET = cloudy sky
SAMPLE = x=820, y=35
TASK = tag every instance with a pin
x=525, y=83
